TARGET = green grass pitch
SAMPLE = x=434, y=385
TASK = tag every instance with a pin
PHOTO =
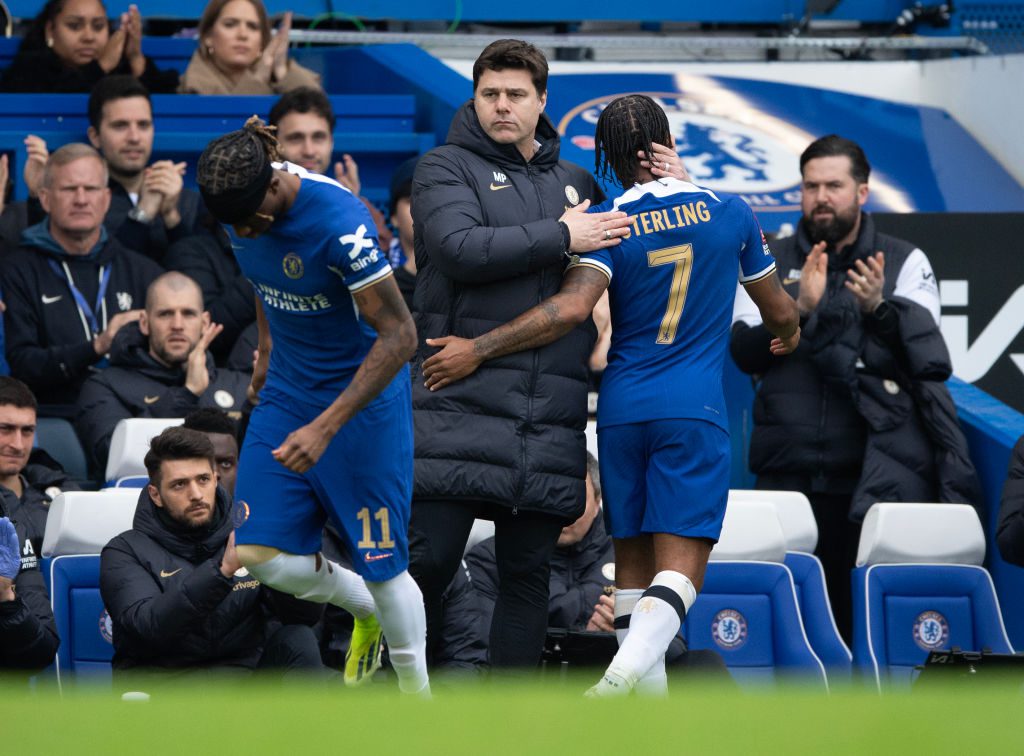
x=257, y=717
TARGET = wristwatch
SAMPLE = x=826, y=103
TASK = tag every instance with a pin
x=140, y=215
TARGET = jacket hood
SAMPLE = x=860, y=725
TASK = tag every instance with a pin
x=195, y=545
x=131, y=350
x=39, y=237
x=466, y=132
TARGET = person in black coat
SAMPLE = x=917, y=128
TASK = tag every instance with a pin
x=176, y=592
x=1010, y=531
x=859, y=413
x=492, y=235
x=582, y=567
x=159, y=367
x=70, y=47
x=70, y=288
x=28, y=634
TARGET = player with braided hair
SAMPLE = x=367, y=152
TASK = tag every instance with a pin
x=331, y=435
x=663, y=436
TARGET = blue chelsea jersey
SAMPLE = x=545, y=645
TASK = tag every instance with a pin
x=305, y=269
x=671, y=291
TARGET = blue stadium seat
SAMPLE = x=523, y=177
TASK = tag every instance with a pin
x=57, y=437
x=919, y=587
x=380, y=129
x=801, y=533
x=747, y=610
x=82, y=621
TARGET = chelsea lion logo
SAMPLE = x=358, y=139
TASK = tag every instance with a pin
x=729, y=629
x=239, y=514
x=726, y=144
x=931, y=631
x=106, y=627
x=292, y=265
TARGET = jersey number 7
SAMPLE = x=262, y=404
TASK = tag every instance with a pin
x=682, y=258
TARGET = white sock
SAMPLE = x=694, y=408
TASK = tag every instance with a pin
x=655, y=682
x=315, y=578
x=652, y=626
x=625, y=600
x=401, y=615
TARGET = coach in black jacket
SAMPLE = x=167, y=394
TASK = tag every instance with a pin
x=159, y=367
x=859, y=413
x=1010, y=532
x=495, y=213
x=175, y=590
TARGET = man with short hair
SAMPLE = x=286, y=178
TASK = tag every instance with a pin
x=661, y=422
x=495, y=215
x=70, y=287
x=305, y=130
x=174, y=586
x=223, y=434
x=402, y=253
x=860, y=412
x=160, y=367
x=28, y=634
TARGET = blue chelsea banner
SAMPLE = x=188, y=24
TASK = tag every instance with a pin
x=745, y=137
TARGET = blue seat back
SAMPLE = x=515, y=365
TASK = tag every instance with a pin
x=904, y=611
x=83, y=623
x=816, y=612
x=747, y=611
x=57, y=437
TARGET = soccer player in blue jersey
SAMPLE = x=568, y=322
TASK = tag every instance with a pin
x=332, y=433
x=662, y=428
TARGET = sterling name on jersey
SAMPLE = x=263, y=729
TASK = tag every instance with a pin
x=304, y=269
x=671, y=290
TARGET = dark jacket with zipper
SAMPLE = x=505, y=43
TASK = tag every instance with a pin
x=1010, y=531
x=136, y=385
x=577, y=577
x=28, y=633
x=488, y=248
x=170, y=605
x=860, y=408
x=49, y=345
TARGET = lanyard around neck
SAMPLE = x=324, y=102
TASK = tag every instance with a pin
x=85, y=311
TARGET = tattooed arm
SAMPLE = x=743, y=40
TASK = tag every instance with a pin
x=382, y=306
x=547, y=322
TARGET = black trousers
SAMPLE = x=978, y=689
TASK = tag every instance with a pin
x=293, y=649
x=838, y=539
x=524, y=543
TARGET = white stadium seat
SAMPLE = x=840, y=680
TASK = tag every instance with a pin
x=82, y=522
x=795, y=515
x=921, y=533
x=130, y=443
x=751, y=532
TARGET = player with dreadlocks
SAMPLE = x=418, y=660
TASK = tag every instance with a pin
x=331, y=436
x=663, y=437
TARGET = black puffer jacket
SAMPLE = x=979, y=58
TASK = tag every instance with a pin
x=488, y=248
x=171, y=607
x=28, y=634
x=1010, y=532
x=805, y=421
x=136, y=385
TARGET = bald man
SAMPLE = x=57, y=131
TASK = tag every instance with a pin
x=159, y=367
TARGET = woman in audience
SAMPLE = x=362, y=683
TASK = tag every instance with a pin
x=237, y=53
x=70, y=47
